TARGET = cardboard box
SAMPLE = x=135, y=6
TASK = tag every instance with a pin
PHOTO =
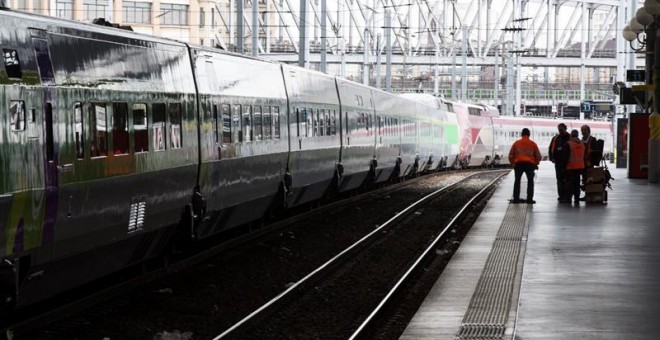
x=595, y=175
x=595, y=198
x=594, y=188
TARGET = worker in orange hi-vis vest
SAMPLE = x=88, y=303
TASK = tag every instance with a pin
x=575, y=165
x=525, y=158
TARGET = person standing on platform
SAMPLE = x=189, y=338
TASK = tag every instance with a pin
x=574, y=153
x=591, y=153
x=525, y=158
x=557, y=156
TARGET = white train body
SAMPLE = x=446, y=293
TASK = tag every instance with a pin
x=485, y=137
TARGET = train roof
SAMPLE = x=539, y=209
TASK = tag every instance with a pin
x=50, y=22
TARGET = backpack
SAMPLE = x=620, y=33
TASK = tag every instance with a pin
x=597, y=152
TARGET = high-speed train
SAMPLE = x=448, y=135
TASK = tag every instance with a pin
x=116, y=147
x=486, y=137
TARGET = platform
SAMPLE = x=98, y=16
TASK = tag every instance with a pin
x=570, y=272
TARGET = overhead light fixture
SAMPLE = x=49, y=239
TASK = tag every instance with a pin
x=643, y=17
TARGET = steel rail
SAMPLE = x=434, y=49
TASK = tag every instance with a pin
x=87, y=300
x=416, y=265
x=344, y=253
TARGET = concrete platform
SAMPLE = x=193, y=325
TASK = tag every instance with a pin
x=584, y=272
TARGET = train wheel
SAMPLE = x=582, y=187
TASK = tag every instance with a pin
x=371, y=177
x=8, y=286
x=279, y=204
x=184, y=234
x=333, y=189
x=396, y=174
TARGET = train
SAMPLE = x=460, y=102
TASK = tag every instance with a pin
x=486, y=136
x=118, y=147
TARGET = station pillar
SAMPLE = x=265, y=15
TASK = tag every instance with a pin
x=654, y=119
x=654, y=147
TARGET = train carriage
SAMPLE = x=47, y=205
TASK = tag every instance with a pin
x=388, y=137
x=447, y=130
x=358, y=142
x=244, y=138
x=100, y=155
x=315, y=132
x=425, y=137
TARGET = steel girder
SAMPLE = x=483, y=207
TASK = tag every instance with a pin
x=421, y=26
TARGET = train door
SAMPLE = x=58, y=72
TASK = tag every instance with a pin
x=49, y=135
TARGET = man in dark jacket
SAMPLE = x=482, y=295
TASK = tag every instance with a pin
x=556, y=156
x=592, y=154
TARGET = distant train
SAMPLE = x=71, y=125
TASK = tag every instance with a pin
x=116, y=147
x=486, y=137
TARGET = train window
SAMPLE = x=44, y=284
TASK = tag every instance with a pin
x=159, y=136
x=44, y=63
x=78, y=130
x=322, y=126
x=440, y=131
x=425, y=129
x=120, y=128
x=17, y=115
x=386, y=126
x=411, y=128
x=302, y=122
x=361, y=121
x=236, y=133
x=140, y=128
x=313, y=122
x=297, y=122
x=310, y=123
x=247, y=123
x=379, y=125
x=226, y=124
x=12, y=63
x=309, y=114
x=268, y=123
x=276, y=122
x=333, y=123
x=317, y=122
x=257, y=126
x=175, y=126
x=98, y=128
x=328, y=130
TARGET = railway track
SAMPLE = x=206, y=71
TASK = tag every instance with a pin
x=57, y=318
x=346, y=297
